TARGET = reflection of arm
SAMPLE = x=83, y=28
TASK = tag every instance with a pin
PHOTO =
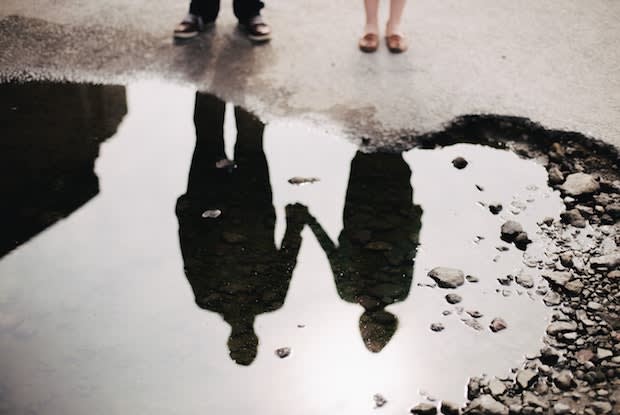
x=295, y=221
x=324, y=240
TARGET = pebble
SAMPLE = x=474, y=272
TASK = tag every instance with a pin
x=606, y=261
x=563, y=380
x=437, y=327
x=486, y=405
x=573, y=217
x=380, y=400
x=472, y=279
x=497, y=387
x=580, y=184
x=302, y=180
x=525, y=378
x=450, y=408
x=283, y=352
x=498, y=324
x=447, y=277
x=424, y=408
x=561, y=409
x=526, y=281
x=211, y=214
x=495, y=208
x=453, y=298
x=459, y=163
x=558, y=327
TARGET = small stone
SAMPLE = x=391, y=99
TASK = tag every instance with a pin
x=573, y=217
x=558, y=327
x=594, y=306
x=574, y=287
x=437, y=327
x=525, y=378
x=549, y=356
x=474, y=313
x=450, y=408
x=498, y=324
x=601, y=408
x=530, y=399
x=566, y=259
x=505, y=281
x=614, y=275
x=283, y=352
x=211, y=214
x=552, y=299
x=558, y=279
x=510, y=230
x=486, y=405
x=495, y=208
x=610, y=261
x=473, y=387
x=424, y=409
x=580, y=184
x=380, y=401
x=584, y=355
x=603, y=354
x=447, y=277
x=548, y=221
x=526, y=281
x=555, y=175
x=453, y=298
x=561, y=409
x=497, y=387
x=564, y=380
x=459, y=163
x=472, y=279
x=522, y=241
x=297, y=181
x=473, y=323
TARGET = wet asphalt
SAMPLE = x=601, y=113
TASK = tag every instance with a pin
x=556, y=62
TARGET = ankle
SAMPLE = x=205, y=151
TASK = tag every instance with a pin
x=371, y=28
x=392, y=28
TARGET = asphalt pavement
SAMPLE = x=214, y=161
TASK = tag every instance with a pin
x=554, y=62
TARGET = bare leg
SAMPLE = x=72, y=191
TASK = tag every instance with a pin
x=372, y=16
x=396, y=14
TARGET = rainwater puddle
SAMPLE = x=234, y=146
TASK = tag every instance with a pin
x=145, y=272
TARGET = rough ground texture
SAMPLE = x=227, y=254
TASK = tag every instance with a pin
x=555, y=63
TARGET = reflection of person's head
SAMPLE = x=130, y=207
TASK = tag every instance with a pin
x=243, y=342
x=377, y=328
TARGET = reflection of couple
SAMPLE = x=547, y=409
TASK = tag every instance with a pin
x=231, y=260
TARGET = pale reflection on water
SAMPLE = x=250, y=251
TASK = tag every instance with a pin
x=97, y=316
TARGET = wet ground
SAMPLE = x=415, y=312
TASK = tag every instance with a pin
x=161, y=256
x=555, y=62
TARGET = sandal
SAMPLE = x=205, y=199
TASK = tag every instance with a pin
x=396, y=43
x=369, y=43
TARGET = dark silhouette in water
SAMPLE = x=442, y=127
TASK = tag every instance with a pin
x=231, y=260
x=50, y=137
x=373, y=262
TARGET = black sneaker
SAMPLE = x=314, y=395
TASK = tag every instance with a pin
x=256, y=29
x=190, y=27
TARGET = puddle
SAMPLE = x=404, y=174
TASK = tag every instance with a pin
x=143, y=272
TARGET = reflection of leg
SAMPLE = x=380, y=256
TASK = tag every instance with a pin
x=207, y=9
x=246, y=9
x=209, y=122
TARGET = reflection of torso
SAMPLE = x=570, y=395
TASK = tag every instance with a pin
x=381, y=225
